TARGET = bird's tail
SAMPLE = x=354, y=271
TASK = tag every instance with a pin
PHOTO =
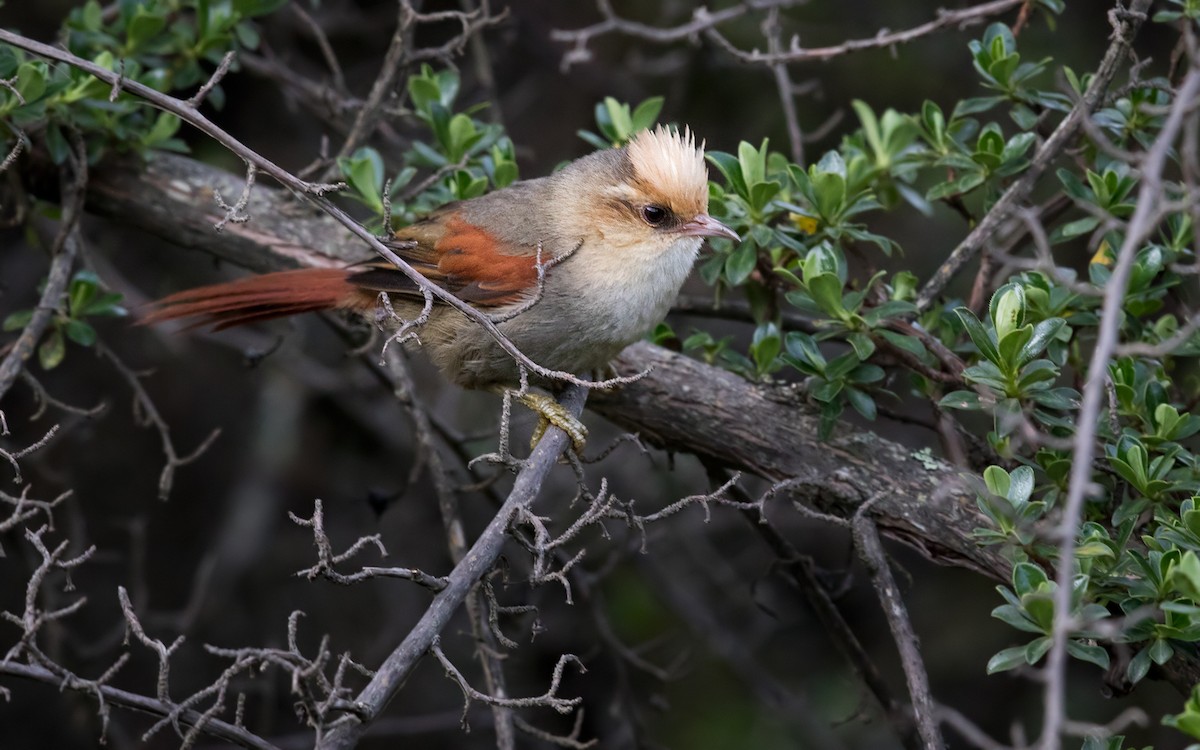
x=255, y=298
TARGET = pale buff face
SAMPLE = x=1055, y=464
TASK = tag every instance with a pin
x=667, y=172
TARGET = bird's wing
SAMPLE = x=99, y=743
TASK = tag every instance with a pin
x=458, y=256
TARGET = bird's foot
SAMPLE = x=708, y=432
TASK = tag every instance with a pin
x=550, y=412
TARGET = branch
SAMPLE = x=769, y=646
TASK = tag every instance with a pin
x=482, y=556
x=117, y=697
x=64, y=251
x=946, y=19
x=702, y=20
x=1145, y=219
x=870, y=551
x=705, y=22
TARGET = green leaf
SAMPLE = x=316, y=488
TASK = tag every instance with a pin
x=80, y=332
x=910, y=344
x=1075, y=228
x=753, y=162
x=979, y=335
x=1089, y=653
x=863, y=346
x=424, y=93
x=765, y=346
x=965, y=400
x=252, y=8
x=52, y=350
x=647, y=112
x=1036, y=649
x=829, y=192
x=861, y=401
x=1161, y=652
x=1011, y=344
x=364, y=171
x=1009, y=658
x=761, y=194
x=1139, y=666
x=618, y=114
x=31, y=80
x=826, y=291
x=802, y=347
x=741, y=263
x=144, y=26
x=1185, y=577
x=1007, y=309
x=17, y=320
x=1028, y=578
x=1021, y=487
x=1043, y=333
x=731, y=169
x=841, y=366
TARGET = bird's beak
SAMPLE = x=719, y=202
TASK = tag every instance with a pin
x=706, y=226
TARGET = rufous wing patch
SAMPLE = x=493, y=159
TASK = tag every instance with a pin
x=462, y=258
x=476, y=268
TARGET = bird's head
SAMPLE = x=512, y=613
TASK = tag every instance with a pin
x=656, y=195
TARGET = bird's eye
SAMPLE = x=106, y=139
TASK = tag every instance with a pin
x=654, y=215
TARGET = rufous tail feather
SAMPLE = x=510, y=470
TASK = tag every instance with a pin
x=255, y=298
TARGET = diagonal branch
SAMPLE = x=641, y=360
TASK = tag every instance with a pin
x=1146, y=217
x=479, y=560
x=213, y=727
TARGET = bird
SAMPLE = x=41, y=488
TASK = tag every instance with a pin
x=616, y=233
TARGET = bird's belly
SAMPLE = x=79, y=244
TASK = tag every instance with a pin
x=575, y=327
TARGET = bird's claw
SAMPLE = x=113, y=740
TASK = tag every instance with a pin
x=550, y=412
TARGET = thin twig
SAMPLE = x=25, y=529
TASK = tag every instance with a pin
x=213, y=727
x=145, y=408
x=946, y=19
x=870, y=550
x=64, y=251
x=482, y=556
x=1145, y=218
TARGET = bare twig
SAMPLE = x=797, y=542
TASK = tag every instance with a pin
x=133, y=625
x=946, y=19
x=702, y=20
x=327, y=559
x=1143, y=221
x=550, y=699
x=452, y=524
x=64, y=251
x=149, y=414
x=213, y=727
x=213, y=80
x=13, y=457
x=870, y=549
x=481, y=557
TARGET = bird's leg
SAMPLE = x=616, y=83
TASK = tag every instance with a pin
x=550, y=412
